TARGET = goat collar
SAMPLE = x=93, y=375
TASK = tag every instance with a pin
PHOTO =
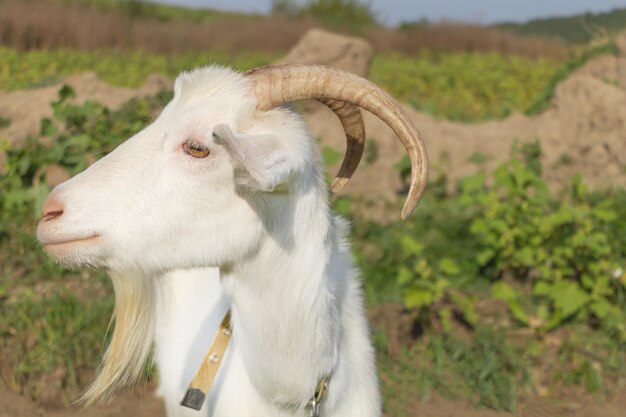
x=202, y=382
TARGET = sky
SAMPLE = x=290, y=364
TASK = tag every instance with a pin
x=392, y=12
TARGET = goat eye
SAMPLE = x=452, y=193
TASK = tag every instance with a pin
x=195, y=149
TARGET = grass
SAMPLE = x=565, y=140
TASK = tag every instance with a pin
x=486, y=370
x=55, y=334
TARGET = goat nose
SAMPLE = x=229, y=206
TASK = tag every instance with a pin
x=51, y=209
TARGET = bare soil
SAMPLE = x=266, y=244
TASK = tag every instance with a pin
x=141, y=402
x=583, y=132
x=26, y=108
x=136, y=402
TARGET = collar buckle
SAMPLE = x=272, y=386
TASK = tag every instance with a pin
x=316, y=400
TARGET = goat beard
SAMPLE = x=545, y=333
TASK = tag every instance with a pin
x=131, y=341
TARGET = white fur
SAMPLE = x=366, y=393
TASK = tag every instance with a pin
x=248, y=227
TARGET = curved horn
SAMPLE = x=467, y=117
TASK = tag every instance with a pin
x=352, y=121
x=280, y=84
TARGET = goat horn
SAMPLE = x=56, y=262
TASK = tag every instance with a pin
x=280, y=84
x=352, y=121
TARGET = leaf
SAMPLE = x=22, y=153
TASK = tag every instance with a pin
x=403, y=167
x=518, y=312
x=411, y=246
x=569, y=298
x=601, y=308
x=66, y=92
x=80, y=141
x=417, y=297
x=445, y=316
x=604, y=214
x=48, y=128
x=579, y=190
x=473, y=183
x=501, y=176
x=542, y=288
x=506, y=293
x=525, y=256
x=485, y=256
x=449, y=267
x=330, y=156
x=503, y=291
x=404, y=275
x=467, y=306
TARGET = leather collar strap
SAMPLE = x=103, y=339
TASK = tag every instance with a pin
x=201, y=383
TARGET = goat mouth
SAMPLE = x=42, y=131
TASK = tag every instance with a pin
x=59, y=243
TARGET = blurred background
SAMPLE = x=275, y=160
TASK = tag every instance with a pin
x=504, y=294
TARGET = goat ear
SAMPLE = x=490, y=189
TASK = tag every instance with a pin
x=262, y=161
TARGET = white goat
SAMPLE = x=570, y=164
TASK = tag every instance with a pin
x=221, y=204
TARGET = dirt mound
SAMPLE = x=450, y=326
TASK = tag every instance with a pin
x=25, y=108
x=583, y=131
x=318, y=46
x=621, y=65
x=136, y=402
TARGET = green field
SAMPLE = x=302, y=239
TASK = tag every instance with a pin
x=457, y=86
x=487, y=274
x=42, y=67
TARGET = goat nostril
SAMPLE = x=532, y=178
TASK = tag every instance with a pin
x=51, y=210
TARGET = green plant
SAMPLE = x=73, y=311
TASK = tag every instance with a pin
x=43, y=67
x=561, y=249
x=555, y=263
x=426, y=283
x=371, y=151
x=564, y=159
x=478, y=158
x=529, y=153
x=552, y=260
x=464, y=86
x=75, y=137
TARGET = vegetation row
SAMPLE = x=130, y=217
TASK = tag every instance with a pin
x=457, y=86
